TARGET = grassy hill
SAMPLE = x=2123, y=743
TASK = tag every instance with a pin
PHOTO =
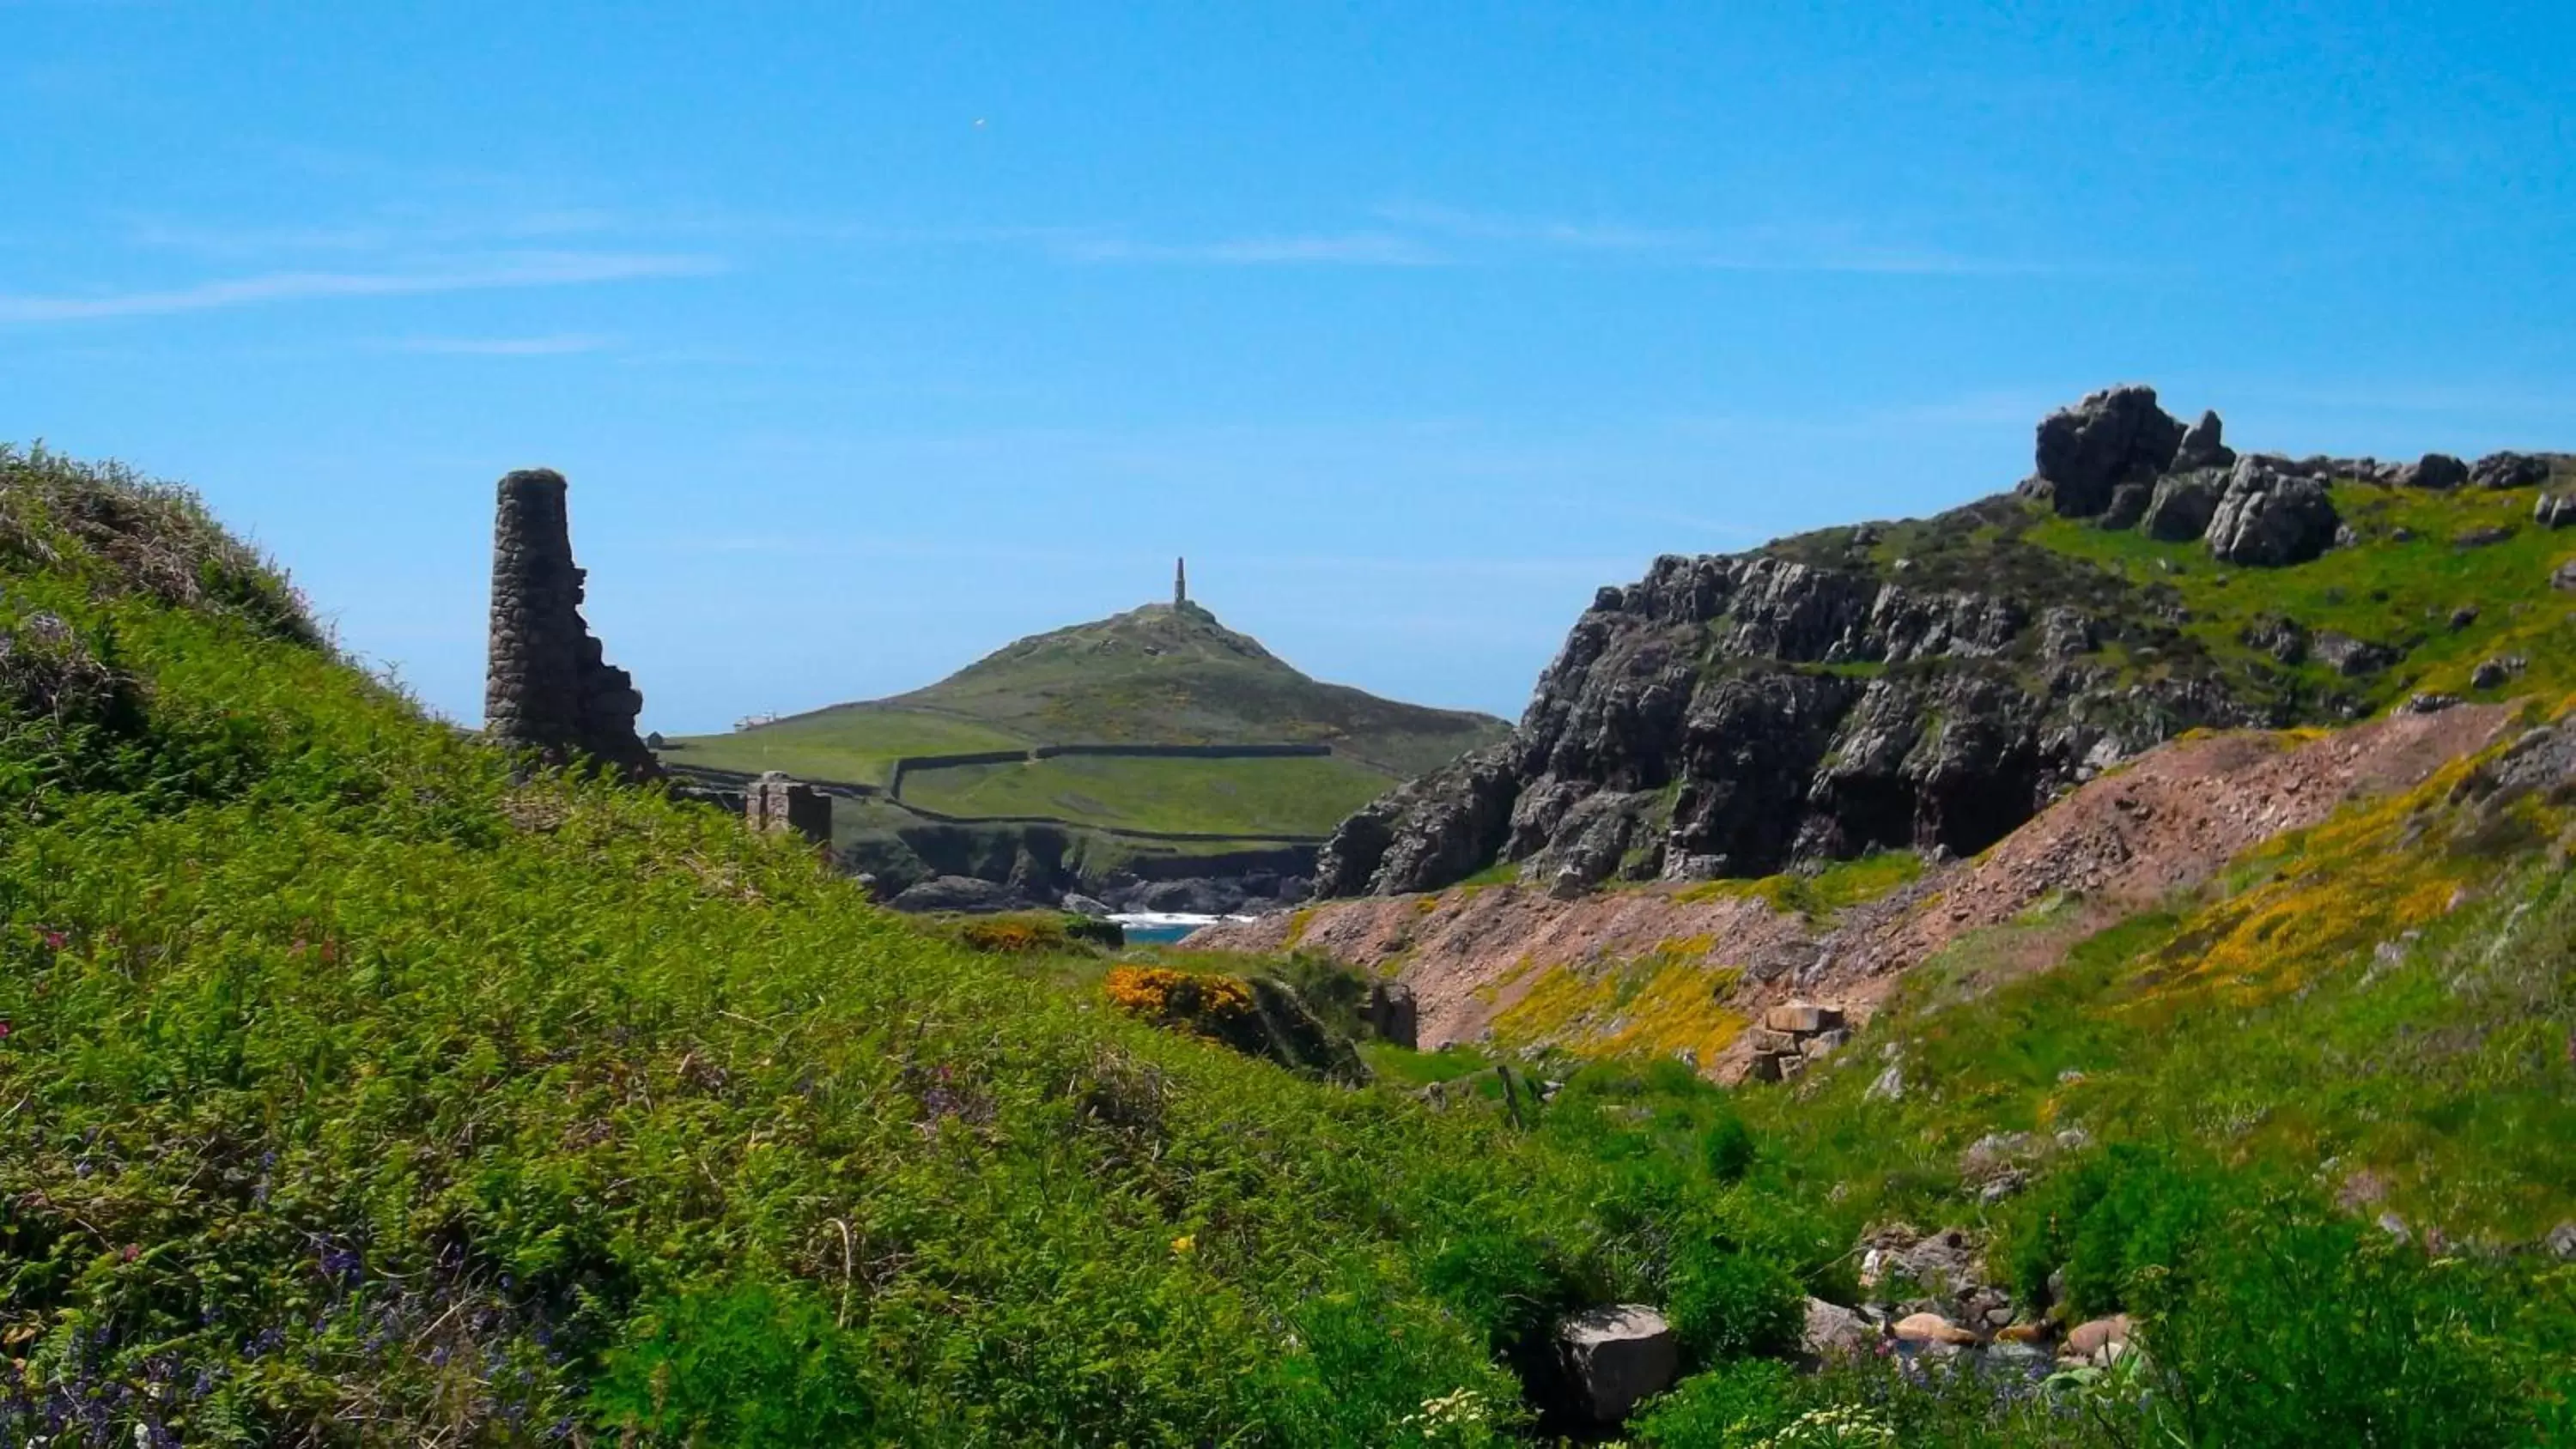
x=1155, y=675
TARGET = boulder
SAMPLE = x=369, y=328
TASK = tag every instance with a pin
x=2201, y=448
x=2352, y=657
x=2492, y=673
x=2554, y=510
x=1802, y=1017
x=2563, y=576
x=2112, y=437
x=2436, y=470
x=2268, y=519
x=1826, y=1042
x=2486, y=536
x=1083, y=905
x=2183, y=504
x=1616, y=1356
x=2561, y=1242
x=2510, y=470
x=1931, y=1328
x=1834, y=1331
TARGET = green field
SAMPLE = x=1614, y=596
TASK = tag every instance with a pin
x=854, y=744
x=1250, y=798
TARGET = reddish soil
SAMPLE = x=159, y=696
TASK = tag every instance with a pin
x=2165, y=822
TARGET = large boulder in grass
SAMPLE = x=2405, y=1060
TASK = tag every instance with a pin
x=1617, y=1356
x=2438, y=471
x=2183, y=504
x=1833, y=1331
x=2510, y=470
x=2114, y=436
x=2270, y=519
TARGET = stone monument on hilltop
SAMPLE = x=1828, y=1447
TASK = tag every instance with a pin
x=547, y=686
x=1180, y=583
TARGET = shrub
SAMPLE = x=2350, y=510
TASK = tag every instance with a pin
x=1727, y=1146
x=1726, y=1302
x=1729, y=1406
x=736, y=1366
x=1509, y=1286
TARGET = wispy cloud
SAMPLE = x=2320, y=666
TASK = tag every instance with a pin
x=559, y=345
x=544, y=269
x=1758, y=248
x=1364, y=249
x=1592, y=236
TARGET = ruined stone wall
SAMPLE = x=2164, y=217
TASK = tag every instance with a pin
x=548, y=687
x=776, y=804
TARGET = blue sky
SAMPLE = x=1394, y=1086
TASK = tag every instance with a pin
x=873, y=336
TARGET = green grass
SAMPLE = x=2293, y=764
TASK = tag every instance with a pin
x=1245, y=798
x=1820, y=894
x=2391, y=591
x=857, y=744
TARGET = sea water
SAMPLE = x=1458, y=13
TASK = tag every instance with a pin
x=1147, y=927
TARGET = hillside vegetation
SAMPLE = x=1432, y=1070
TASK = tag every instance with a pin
x=357, y=1088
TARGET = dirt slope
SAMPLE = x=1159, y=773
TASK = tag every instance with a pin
x=1487, y=959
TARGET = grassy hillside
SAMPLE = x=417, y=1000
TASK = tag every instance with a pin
x=1155, y=675
x=2441, y=581
x=355, y=1091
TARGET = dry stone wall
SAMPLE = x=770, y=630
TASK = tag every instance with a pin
x=548, y=688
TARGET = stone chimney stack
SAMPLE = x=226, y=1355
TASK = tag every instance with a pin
x=1180, y=583
x=547, y=686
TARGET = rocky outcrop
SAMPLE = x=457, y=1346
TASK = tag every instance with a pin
x=2271, y=519
x=2183, y=505
x=1928, y=685
x=547, y=686
x=2201, y=447
x=2112, y=437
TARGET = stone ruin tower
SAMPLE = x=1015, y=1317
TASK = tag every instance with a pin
x=1180, y=583
x=777, y=805
x=547, y=686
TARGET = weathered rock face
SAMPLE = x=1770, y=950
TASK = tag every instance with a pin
x=1828, y=695
x=2183, y=505
x=1729, y=716
x=547, y=686
x=2269, y=519
x=2201, y=447
x=2112, y=437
